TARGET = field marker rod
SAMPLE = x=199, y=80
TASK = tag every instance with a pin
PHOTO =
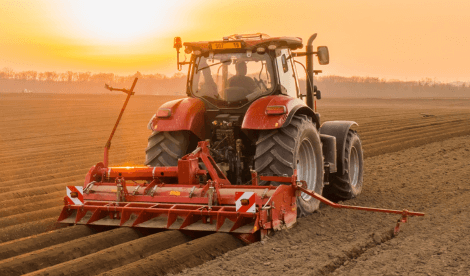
x=129, y=94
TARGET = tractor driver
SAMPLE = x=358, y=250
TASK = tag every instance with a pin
x=240, y=79
x=208, y=87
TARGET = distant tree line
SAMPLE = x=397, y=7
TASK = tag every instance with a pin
x=159, y=84
x=337, y=86
x=87, y=82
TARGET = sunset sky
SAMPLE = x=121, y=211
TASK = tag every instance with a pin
x=406, y=40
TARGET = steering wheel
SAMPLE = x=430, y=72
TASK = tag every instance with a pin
x=260, y=83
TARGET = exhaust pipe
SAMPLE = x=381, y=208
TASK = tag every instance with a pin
x=309, y=64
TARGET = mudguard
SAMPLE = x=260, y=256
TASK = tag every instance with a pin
x=185, y=114
x=256, y=117
x=338, y=129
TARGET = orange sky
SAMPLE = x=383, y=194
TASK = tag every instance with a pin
x=407, y=40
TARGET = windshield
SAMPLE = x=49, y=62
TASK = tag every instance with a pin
x=232, y=79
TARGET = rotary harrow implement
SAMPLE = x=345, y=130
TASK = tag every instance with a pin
x=182, y=198
x=244, y=153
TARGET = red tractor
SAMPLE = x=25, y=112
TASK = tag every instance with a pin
x=244, y=153
x=244, y=97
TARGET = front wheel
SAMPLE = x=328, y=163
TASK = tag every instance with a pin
x=165, y=148
x=296, y=146
x=348, y=185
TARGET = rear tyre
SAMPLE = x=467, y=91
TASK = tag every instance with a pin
x=165, y=148
x=296, y=146
x=348, y=185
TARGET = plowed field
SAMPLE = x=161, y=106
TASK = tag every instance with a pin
x=417, y=157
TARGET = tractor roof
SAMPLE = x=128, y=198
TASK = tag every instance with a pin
x=247, y=42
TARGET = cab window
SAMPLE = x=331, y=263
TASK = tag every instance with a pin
x=287, y=78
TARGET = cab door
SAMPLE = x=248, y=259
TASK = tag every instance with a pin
x=287, y=74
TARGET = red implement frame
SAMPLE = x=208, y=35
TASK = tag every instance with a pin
x=183, y=198
x=186, y=197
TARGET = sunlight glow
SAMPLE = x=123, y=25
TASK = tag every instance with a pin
x=400, y=39
x=121, y=21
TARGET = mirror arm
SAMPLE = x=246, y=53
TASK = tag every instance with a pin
x=302, y=54
x=305, y=69
x=301, y=64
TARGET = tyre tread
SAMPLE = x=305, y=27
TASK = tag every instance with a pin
x=339, y=187
x=164, y=148
x=275, y=149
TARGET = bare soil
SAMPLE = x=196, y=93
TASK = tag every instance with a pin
x=118, y=255
x=179, y=257
x=432, y=178
x=47, y=239
x=66, y=251
x=417, y=157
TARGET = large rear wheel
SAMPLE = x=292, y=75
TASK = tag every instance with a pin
x=296, y=146
x=348, y=185
x=166, y=147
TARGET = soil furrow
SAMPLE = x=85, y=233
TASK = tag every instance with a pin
x=408, y=121
x=48, y=142
x=27, y=200
x=82, y=148
x=180, y=257
x=66, y=251
x=31, y=216
x=28, y=229
x=118, y=255
x=36, y=242
x=405, y=143
x=393, y=124
x=29, y=192
x=46, y=179
x=412, y=131
x=33, y=206
x=416, y=136
x=354, y=252
x=65, y=173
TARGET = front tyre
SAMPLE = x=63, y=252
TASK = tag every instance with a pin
x=296, y=146
x=165, y=148
x=348, y=185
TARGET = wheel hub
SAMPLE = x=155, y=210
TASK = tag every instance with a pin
x=306, y=165
x=353, y=167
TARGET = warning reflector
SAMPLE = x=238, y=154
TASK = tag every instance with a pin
x=74, y=195
x=245, y=202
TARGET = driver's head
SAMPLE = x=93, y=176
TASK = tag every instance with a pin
x=240, y=67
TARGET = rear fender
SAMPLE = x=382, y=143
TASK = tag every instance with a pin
x=338, y=129
x=256, y=117
x=185, y=114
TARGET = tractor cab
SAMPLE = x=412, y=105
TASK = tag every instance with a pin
x=241, y=68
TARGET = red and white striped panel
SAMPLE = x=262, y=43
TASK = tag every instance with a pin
x=250, y=207
x=75, y=200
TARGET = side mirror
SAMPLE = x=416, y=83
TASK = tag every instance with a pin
x=323, y=55
x=316, y=92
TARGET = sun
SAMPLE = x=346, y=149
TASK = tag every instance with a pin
x=111, y=22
